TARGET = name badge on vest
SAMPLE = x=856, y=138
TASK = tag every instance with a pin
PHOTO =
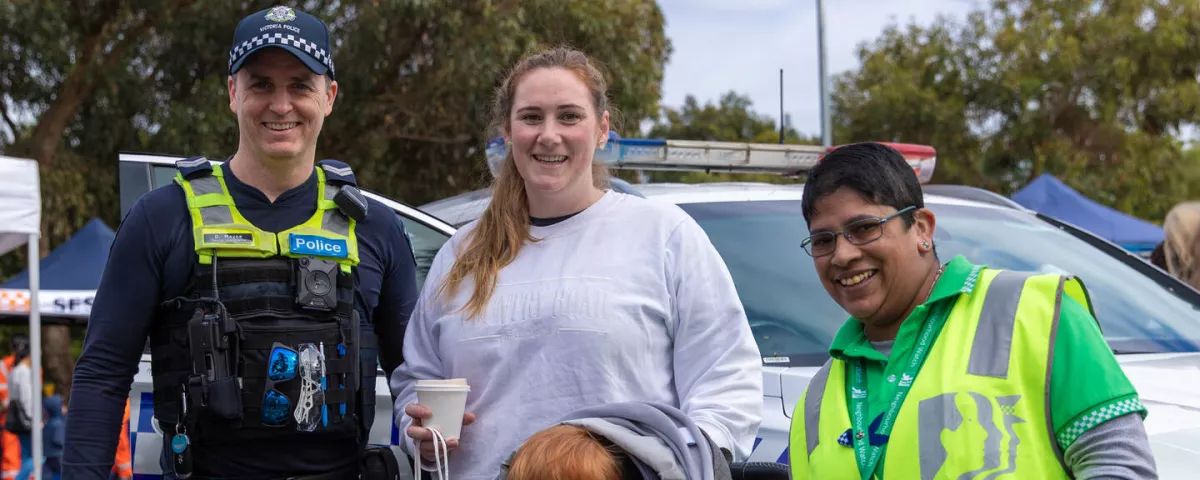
x=318, y=246
x=229, y=238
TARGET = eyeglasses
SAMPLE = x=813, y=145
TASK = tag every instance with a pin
x=281, y=367
x=858, y=232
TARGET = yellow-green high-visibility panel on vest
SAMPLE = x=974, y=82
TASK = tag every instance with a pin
x=221, y=231
x=978, y=407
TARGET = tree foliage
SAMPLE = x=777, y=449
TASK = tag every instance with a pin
x=1098, y=93
x=83, y=80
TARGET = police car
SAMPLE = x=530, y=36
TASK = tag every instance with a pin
x=1150, y=319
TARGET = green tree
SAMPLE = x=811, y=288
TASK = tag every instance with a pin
x=1095, y=93
x=731, y=119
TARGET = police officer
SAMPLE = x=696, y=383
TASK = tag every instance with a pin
x=268, y=286
x=951, y=370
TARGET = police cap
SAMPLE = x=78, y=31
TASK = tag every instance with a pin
x=300, y=33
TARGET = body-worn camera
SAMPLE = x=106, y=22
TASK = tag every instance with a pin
x=316, y=284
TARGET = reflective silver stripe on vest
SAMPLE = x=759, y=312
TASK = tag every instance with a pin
x=206, y=185
x=215, y=214
x=331, y=191
x=812, y=406
x=334, y=221
x=993, y=336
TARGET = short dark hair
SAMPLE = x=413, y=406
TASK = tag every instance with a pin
x=1158, y=256
x=20, y=346
x=876, y=171
x=19, y=340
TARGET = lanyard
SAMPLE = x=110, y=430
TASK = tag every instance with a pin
x=868, y=455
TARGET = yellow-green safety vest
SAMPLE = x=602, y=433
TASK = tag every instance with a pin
x=219, y=229
x=979, y=408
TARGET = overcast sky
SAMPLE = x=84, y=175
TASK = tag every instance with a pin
x=740, y=45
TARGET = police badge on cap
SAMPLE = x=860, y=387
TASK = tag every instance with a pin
x=281, y=14
x=300, y=33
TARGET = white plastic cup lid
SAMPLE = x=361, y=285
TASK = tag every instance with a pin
x=443, y=388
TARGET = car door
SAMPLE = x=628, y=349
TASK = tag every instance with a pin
x=141, y=173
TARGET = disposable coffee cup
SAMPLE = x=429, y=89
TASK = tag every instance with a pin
x=448, y=401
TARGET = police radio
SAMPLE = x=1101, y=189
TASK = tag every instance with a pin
x=214, y=385
x=351, y=202
x=316, y=280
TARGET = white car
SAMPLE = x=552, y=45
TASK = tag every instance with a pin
x=1150, y=319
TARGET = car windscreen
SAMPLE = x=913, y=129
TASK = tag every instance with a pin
x=794, y=319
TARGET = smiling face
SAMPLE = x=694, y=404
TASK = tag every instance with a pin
x=877, y=282
x=555, y=129
x=280, y=105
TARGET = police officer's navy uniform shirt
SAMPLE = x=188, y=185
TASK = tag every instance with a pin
x=152, y=260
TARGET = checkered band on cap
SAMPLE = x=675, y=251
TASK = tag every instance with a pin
x=281, y=39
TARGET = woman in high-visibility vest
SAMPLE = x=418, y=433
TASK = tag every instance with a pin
x=949, y=370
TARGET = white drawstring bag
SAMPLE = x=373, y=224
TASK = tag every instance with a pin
x=438, y=439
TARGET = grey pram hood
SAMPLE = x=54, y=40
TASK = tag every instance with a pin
x=662, y=441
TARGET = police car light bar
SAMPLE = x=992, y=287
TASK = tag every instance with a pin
x=709, y=156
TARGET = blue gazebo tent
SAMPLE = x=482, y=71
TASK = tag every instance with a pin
x=71, y=273
x=1050, y=196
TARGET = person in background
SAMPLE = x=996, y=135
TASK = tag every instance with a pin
x=1181, y=246
x=53, y=433
x=949, y=370
x=567, y=294
x=123, y=465
x=21, y=411
x=10, y=445
x=1158, y=256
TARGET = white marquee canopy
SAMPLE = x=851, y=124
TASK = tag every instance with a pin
x=20, y=224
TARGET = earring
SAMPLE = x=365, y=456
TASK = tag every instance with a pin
x=925, y=244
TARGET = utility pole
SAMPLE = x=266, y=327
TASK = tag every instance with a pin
x=781, y=106
x=826, y=130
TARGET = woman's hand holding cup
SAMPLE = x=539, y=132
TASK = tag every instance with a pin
x=421, y=434
x=439, y=405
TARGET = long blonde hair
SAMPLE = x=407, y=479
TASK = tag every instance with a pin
x=504, y=226
x=1181, y=247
